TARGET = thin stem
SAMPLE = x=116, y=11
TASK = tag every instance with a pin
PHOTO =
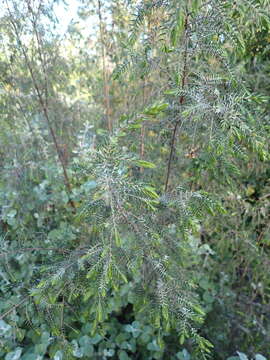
x=104, y=69
x=5, y=314
x=181, y=100
x=43, y=105
x=142, y=144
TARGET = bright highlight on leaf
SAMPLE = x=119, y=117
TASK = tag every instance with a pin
x=145, y=164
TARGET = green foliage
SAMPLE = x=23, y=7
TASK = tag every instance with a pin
x=149, y=239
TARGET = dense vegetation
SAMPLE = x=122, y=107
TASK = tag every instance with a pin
x=134, y=181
